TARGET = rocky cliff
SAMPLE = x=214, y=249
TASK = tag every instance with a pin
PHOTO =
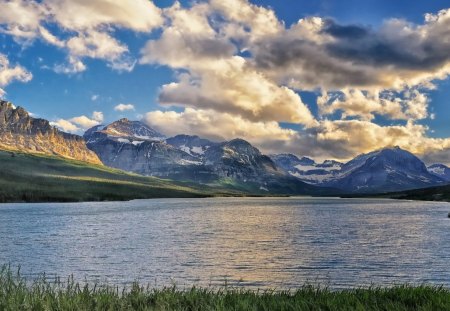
x=21, y=132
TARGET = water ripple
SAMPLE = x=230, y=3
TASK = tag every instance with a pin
x=253, y=242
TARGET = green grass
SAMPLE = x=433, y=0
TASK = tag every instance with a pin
x=17, y=294
x=39, y=178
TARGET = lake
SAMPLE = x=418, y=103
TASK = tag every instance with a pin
x=254, y=242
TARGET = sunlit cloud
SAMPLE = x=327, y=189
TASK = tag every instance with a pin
x=79, y=124
x=124, y=107
x=10, y=73
x=88, y=33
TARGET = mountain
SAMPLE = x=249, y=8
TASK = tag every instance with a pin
x=440, y=170
x=307, y=169
x=135, y=147
x=192, y=145
x=389, y=169
x=238, y=159
x=385, y=170
x=235, y=164
x=21, y=132
x=124, y=129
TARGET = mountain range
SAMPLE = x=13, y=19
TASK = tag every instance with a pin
x=135, y=147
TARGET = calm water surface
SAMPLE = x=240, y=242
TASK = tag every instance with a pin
x=254, y=242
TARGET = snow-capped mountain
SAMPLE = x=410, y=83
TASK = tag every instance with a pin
x=440, y=170
x=307, y=169
x=389, y=169
x=191, y=158
x=193, y=145
x=124, y=131
x=136, y=147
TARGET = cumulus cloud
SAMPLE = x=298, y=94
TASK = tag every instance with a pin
x=21, y=19
x=124, y=107
x=65, y=126
x=216, y=126
x=319, y=52
x=344, y=139
x=138, y=15
x=407, y=105
x=240, y=67
x=73, y=65
x=10, y=73
x=86, y=33
x=97, y=116
x=79, y=124
x=216, y=77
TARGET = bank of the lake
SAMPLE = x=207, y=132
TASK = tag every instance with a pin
x=18, y=294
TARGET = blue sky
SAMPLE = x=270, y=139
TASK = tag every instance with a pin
x=98, y=87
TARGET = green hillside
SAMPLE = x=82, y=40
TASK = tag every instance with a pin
x=41, y=178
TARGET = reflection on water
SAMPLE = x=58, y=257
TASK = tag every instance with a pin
x=255, y=242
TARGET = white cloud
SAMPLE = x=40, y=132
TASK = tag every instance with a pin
x=85, y=122
x=217, y=78
x=407, y=105
x=21, y=18
x=10, y=73
x=98, y=116
x=216, y=126
x=77, y=124
x=124, y=107
x=74, y=65
x=95, y=97
x=217, y=85
x=85, y=28
x=137, y=15
x=65, y=126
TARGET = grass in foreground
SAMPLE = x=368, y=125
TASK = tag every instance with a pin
x=41, y=178
x=15, y=294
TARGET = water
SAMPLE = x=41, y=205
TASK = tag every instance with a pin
x=253, y=242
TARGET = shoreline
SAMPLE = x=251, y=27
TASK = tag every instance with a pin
x=17, y=293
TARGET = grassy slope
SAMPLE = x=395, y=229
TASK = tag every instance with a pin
x=39, y=178
x=15, y=294
x=26, y=177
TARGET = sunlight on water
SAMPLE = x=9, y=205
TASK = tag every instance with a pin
x=255, y=242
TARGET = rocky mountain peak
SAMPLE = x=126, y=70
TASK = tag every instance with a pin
x=126, y=129
x=19, y=131
x=241, y=146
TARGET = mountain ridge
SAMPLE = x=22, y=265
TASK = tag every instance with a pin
x=19, y=131
x=382, y=170
x=136, y=147
x=191, y=158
